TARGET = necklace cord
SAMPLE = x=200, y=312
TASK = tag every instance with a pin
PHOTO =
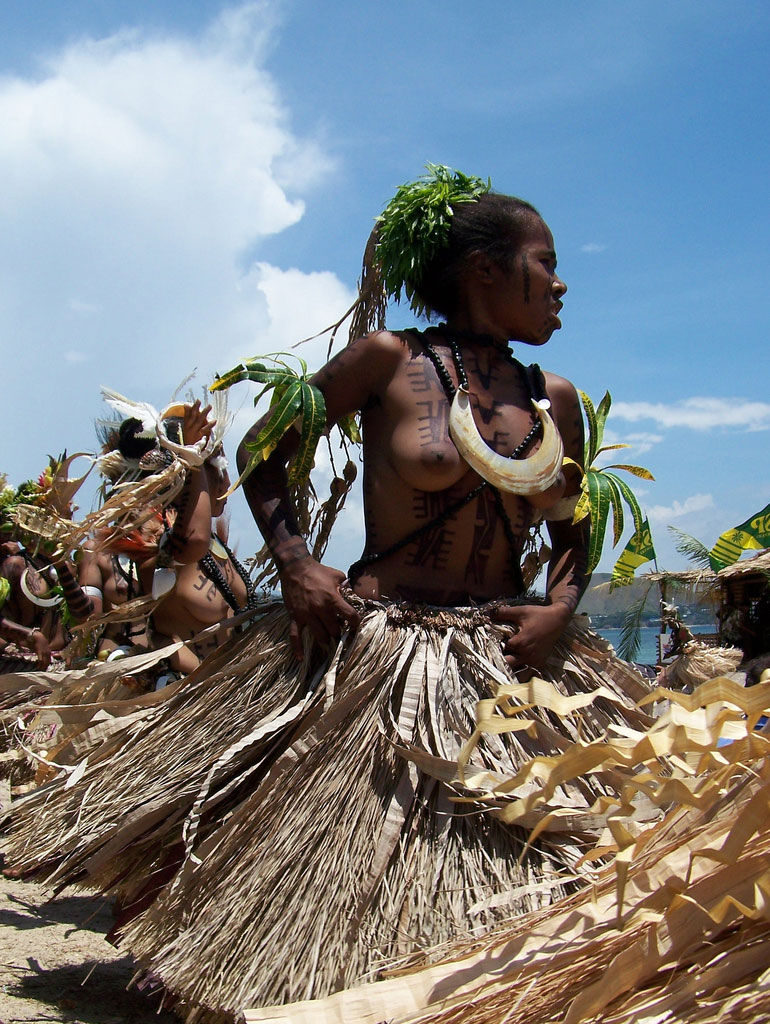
x=357, y=568
x=212, y=572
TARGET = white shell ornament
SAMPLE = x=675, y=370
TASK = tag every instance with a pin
x=41, y=602
x=516, y=476
x=163, y=580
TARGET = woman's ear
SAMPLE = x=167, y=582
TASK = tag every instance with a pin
x=481, y=267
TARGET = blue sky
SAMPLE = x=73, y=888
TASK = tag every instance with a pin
x=183, y=185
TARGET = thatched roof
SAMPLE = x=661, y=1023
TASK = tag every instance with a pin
x=757, y=563
x=687, y=577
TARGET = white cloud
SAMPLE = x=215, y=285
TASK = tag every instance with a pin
x=591, y=248
x=296, y=306
x=698, y=413
x=82, y=308
x=641, y=443
x=638, y=443
x=662, y=514
x=135, y=173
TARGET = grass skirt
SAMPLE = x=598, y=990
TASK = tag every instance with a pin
x=276, y=830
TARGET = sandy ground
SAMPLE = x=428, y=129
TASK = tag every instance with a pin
x=55, y=964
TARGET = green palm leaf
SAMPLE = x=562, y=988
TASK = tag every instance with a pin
x=693, y=549
x=257, y=372
x=254, y=460
x=313, y=424
x=591, y=443
x=349, y=427
x=293, y=398
x=630, y=499
x=603, y=489
x=602, y=411
x=284, y=413
x=225, y=380
x=618, y=518
x=599, y=498
x=611, y=448
x=639, y=471
x=631, y=632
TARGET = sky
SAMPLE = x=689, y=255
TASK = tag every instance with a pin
x=183, y=185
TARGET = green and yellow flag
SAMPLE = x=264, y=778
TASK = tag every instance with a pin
x=638, y=551
x=754, y=533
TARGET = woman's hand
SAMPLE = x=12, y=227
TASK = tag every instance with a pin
x=196, y=423
x=311, y=592
x=536, y=629
x=37, y=644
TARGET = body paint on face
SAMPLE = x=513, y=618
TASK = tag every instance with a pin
x=525, y=275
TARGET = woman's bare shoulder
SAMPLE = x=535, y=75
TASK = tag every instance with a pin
x=559, y=388
x=365, y=364
x=384, y=344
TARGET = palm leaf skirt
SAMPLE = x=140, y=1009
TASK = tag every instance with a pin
x=276, y=830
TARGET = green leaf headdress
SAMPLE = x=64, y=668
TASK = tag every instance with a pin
x=415, y=226
x=408, y=234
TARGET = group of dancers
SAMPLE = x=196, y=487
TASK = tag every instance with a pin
x=309, y=803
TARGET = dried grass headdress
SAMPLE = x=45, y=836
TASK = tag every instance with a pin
x=137, y=485
x=168, y=446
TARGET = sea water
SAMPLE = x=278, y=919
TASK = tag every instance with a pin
x=648, y=649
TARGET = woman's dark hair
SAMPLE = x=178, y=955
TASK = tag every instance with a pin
x=494, y=224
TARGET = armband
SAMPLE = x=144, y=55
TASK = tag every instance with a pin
x=92, y=591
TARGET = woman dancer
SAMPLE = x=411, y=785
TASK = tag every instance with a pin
x=185, y=545
x=305, y=830
x=437, y=532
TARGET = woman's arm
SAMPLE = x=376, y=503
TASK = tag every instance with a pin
x=310, y=589
x=91, y=580
x=540, y=626
x=79, y=602
x=30, y=638
x=189, y=537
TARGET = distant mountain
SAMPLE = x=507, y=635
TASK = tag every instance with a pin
x=607, y=608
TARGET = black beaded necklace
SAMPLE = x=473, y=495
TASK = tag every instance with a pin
x=129, y=629
x=449, y=388
x=212, y=572
x=357, y=568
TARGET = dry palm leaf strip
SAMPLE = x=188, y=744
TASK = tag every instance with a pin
x=86, y=705
x=147, y=775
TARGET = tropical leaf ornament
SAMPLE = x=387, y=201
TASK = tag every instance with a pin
x=294, y=401
x=602, y=490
